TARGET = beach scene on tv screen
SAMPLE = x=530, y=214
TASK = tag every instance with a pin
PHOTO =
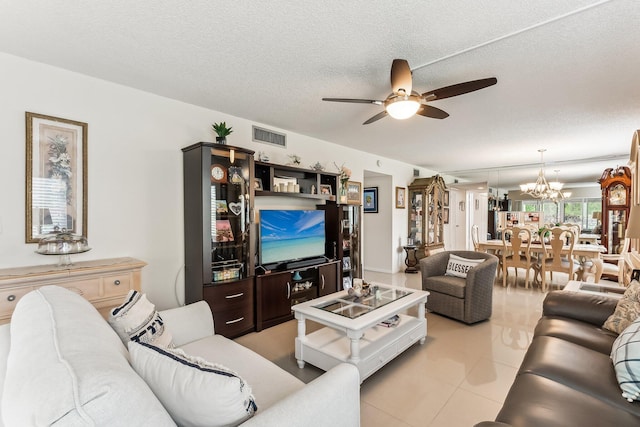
x=291, y=234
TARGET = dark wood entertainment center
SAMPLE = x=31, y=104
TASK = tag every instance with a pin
x=221, y=184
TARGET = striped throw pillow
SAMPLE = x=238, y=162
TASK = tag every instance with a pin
x=138, y=320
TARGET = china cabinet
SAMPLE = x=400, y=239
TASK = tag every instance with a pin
x=426, y=226
x=616, y=201
x=219, y=243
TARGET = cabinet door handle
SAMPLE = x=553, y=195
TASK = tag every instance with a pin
x=116, y=282
x=234, y=296
x=322, y=277
x=231, y=322
x=288, y=290
x=11, y=298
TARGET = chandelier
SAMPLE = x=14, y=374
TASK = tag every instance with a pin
x=542, y=189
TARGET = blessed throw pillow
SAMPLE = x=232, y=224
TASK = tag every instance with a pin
x=627, y=309
x=458, y=266
x=193, y=391
x=138, y=320
x=625, y=355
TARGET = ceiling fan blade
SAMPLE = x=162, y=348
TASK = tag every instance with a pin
x=459, y=89
x=357, y=101
x=433, y=112
x=401, y=76
x=377, y=117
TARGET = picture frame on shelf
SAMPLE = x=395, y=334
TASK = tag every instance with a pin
x=257, y=184
x=56, y=176
x=354, y=192
x=370, y=199
x=401, y=198
x=346, y=263
x=325, y=189
x=347, y=282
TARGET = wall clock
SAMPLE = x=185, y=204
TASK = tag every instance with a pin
x=218, y=173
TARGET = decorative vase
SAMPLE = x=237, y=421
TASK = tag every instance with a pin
x=221, y=140
x=343, y=193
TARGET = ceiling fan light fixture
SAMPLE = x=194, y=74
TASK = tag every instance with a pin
x=402, y=107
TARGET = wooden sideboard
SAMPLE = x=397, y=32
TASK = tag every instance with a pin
x=631, y=267
x=104, y=283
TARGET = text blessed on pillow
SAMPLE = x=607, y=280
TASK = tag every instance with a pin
x=459, y=267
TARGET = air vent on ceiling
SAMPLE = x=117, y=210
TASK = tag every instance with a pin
x=416, y=172
x=269, y=137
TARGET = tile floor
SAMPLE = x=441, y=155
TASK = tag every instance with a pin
x=459, y=377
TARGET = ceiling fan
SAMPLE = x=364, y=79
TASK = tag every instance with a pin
x=404, y=102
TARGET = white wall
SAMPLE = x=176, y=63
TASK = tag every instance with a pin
x=377, y=231
x=135, y=168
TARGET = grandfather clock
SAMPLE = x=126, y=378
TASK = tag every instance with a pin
x=616, y=201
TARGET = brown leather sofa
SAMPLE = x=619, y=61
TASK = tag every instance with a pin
x=567, y=378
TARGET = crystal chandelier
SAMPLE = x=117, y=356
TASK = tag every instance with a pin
x=543, y=190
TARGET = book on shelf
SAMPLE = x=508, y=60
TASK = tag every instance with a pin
x=390, y=322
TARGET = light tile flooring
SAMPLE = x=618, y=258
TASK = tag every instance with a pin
x=459, y=377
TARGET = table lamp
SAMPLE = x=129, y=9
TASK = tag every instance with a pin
x=63, y=243
x=633, y=223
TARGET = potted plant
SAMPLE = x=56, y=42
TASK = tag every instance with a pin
x=222, y=131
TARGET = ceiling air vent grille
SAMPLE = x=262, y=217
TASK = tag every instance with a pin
x=269, y=137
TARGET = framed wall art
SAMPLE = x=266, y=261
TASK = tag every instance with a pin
x=370, y=197
x=354, y=193
x=401, y=198
x=445, y=198
x=445, y=215
x=56, y=184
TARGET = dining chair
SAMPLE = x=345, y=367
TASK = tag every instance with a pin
x=558, y=254
x=475, y=237
x=613, y=263
x=516, y=253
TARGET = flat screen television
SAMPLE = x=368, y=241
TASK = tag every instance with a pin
x=289, y=235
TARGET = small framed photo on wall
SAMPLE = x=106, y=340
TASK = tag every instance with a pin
x=445, y=198
x=401, y=198
x=445, y=215
x=370, y=197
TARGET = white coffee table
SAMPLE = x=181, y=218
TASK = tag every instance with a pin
x=354, y=334
x=612, y=290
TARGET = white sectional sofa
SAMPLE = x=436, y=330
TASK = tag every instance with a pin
x=61, y=363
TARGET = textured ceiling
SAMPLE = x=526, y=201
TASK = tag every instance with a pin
x=567, y=71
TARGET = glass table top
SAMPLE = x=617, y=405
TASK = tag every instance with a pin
x=352, y=307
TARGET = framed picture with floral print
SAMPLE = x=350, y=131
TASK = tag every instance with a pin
x=56, y=186
x=401, y=197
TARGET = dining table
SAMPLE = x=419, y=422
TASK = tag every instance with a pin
x=583, y=252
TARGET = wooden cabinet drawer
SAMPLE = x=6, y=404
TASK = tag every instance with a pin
x=117, y=284
x=224, y=297
x=232, y=323
x=9, y=298
x=87, y=288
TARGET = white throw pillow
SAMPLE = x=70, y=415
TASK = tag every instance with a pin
x=138, y=320
x=193, y=391
x=458, y=266
x=66, y=367
x=625, y=355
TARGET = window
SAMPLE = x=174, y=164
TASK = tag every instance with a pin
x=576, y=211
